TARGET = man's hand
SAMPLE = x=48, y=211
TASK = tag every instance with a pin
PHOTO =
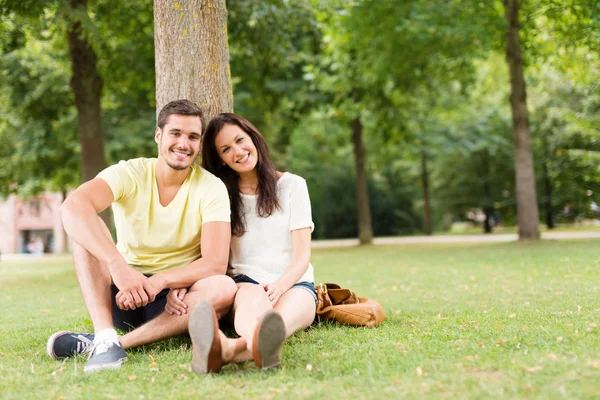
x=135, y=290
x=175, y=304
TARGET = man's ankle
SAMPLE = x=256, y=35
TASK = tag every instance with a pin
x=108, y=334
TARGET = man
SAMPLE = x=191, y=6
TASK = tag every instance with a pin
x=173, y=232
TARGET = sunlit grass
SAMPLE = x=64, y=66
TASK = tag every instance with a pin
x=464, y=321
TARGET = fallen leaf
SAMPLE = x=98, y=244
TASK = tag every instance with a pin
x=153, y=364
x=552, y=356
x=594, y=363
x=58, y=371
x=153, y=380
x=469, y=358
x=500, y=343
x=309, y=367
x=559, y=339
x=419, y=371
x=132, y=377
x=481, y=345
x=534, y=369
x=512, y=315
x=592, y=324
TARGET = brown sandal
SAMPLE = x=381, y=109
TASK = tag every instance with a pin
x=206, y=341
x=268, y=338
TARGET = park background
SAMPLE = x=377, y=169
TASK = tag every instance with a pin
x=399, y=115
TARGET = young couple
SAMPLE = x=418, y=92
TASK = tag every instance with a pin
x=178, y=228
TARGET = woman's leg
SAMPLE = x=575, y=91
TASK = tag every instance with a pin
x=297, y=308
x=250, y=304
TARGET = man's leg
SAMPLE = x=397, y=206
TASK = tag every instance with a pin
x=218, y=290
x=94, y=282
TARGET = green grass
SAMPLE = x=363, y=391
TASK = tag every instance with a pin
x=464, y=321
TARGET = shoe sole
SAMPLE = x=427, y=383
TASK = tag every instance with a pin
x=206, y=343
x=50, y=344
x=268, y=338
x=99, y=367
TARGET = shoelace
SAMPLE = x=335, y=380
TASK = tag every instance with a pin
x=99, y=348
x=83, y=344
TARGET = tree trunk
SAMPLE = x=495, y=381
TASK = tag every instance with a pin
x=192, y=55
x=488, y=203
x=365, y=227
x=86, y=85
x=548, y=196
x=527, y=207
x=426, y=195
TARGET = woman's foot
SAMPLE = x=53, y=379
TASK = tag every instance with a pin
x=268, y=338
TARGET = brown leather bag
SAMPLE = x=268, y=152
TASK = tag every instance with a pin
x=345, y=307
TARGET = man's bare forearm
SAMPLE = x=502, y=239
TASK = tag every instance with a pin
x=185, y=277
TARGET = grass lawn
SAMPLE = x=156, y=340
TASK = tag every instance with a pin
x=464, y=321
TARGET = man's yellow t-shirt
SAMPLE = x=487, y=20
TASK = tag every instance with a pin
x=153, y=238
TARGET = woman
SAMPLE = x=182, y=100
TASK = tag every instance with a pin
x=271, y=232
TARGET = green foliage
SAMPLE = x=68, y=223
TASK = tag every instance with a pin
x=270, y=43
x=423, y=76
x=38, y=124
x=565, y=118
x=39, y=119
x=321, y=153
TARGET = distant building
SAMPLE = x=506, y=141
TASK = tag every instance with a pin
x=32, y=226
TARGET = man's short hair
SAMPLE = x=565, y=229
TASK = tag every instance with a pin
x=179, y=107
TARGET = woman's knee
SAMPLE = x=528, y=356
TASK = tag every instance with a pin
x=219, y=288
x=253, y=296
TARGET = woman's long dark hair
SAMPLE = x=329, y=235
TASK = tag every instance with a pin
x=267, y=201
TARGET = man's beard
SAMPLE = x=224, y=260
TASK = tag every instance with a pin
x=179, y=167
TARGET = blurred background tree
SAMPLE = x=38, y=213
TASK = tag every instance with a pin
x=422, y=86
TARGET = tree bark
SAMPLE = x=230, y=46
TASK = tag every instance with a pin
x=365, y=227
x=192, y=55
x=527, y=207
x=426, y=195
x=86, y=85
x=488, y=204
x=548, y=196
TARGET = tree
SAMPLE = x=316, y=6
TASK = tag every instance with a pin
x=527, y=207
x=390, y=60
x=267, y=74
x=192, y=55
x=86, y=85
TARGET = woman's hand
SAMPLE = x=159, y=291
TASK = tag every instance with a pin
x=274, y=292
x=175, y=304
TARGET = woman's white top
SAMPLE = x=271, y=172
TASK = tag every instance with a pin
x=264, y=252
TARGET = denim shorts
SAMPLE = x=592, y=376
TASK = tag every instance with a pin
x=308, y=286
